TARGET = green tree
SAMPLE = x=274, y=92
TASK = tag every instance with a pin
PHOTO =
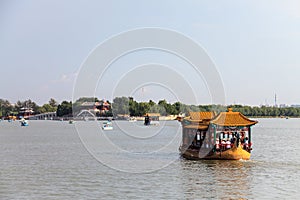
x=5, y=107
x=53, y=103
x=178, y=107
x=155, y=108
x=49, y=108
x=64, y=109
x=143, y=108
x=151, y=103
x=87, y=99
x=120, y=105
x=133, y=107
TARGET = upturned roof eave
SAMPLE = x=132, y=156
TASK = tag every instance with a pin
x=236, y=124
x=221, y=118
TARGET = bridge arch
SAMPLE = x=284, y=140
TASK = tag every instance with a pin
x=85, y=114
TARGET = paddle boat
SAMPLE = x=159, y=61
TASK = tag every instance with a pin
x=226, y=136
x=107, y=126
x=132, y=119
x=24, y=122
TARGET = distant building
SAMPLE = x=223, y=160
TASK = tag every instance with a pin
x=26, y=112
x=100, y=107
x=88, y=106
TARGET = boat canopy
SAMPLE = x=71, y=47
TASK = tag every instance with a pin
x=198, y=120
x=231, y=118
x=199, y=116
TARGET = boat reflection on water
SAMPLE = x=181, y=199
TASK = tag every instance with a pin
x=218, y=179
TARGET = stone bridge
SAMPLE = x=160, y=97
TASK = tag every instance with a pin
x=43, y=116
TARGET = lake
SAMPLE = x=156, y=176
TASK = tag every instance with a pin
x=57, y=160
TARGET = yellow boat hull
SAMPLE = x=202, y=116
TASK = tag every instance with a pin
x=235, y=153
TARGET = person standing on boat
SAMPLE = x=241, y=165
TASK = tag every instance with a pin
x=232, y=141
x=221, y=136
x=228, y=144
x=246, y=144
x=237, y=139
x=223, y=145
x=147, y=120
x=231, y=136
x=242, y=136
x=206, y=142
x=242, y=139
x=217, y=145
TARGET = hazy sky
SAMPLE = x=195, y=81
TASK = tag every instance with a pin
x=255, y=45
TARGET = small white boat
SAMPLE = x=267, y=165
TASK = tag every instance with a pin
x=132, y=119
x=24, y=122
x=107, y=126
x=154, y=123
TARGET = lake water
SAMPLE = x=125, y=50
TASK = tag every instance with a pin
x=47, y=160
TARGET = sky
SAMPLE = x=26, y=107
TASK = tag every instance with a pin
x=255, y=46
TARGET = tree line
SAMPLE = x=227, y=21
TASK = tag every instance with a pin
x=65, y=108
x=129, y=106
x=9, y=109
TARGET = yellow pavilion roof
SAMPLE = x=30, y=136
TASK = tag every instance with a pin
x=198, y=116
x=198, y=120
x=231, y=118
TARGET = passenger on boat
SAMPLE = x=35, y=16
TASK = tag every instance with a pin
x=228, y=144
x=194, y=144
x=203, y=135
x=230, y=135
x=246, y=144
x=198, y=136
x=232, y=141
x=206, y=143
x=223, y=144
x=217, y=145
x=226, y=135
x=238, y=139
x=221, y=135
x=242, y=136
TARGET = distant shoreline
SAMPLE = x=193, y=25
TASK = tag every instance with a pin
x=131, y=107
